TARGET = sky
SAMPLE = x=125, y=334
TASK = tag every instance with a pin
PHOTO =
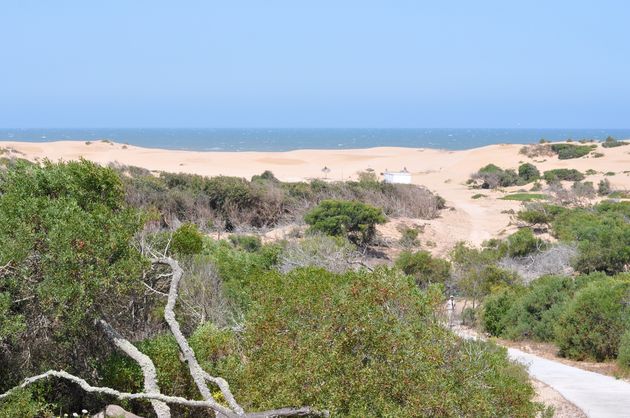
x=310, y=64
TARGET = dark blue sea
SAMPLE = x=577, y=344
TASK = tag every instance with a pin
x=290, y=139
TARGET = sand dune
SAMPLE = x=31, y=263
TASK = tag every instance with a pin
x=444, y=172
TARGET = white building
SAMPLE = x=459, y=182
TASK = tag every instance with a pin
x=398, y=177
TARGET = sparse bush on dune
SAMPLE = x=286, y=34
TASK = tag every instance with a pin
x=611, y=142
x=233, y=203
x=569, y=151
x=492, y=176
x=563, y=174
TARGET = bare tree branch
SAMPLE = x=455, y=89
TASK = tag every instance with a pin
x=196, y=372
x=146, y=364
x=284, y=412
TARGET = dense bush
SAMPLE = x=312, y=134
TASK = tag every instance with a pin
x=528, y=172
x=386, y=354
x=424, y=268
x=602, y=235
x=611, y=142
x=522, y=243
x=569, y=151
x=563, y=174
x=65, y=236
x=359, y=318
x=533, y=315
x=496, y=307
x=355, y=220
x=492, y=176
x=232, y=203
x=187, y=240
x=623, y=356
x=593, y=322
x=476, y=273
x=249, y=243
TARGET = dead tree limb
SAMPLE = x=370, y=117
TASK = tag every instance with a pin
x=196, y=372
x=146, y=364
x=284, y=412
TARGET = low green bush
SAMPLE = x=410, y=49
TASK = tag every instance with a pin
x=187, y=240
x=533, y=315
x=593, y=322
x=424, y=268
x=569, y=151
x=523, y=242
x=251, y=243
x=623, y=356
x=611, y=142
x=528, y=172
x=563, y=174
x=495, y=309
x=355, y=220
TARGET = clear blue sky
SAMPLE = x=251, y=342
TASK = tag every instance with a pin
x=298, y=63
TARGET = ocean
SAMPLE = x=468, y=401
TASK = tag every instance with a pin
x=290, y=139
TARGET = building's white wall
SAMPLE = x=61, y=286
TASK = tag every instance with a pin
x=399, y=178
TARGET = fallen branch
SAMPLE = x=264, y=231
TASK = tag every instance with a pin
x=196, y=372
x=284, y=412
x=146, y=364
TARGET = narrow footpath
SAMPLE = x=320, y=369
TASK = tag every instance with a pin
x=597, y=395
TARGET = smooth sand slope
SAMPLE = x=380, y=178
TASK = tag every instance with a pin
x=444, y=172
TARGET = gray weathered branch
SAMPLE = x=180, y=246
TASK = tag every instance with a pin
x=197, y=373
x=146, y=364
x=284, y=412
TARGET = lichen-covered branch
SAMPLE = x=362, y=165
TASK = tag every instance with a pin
x=146, y=364
x=198, y=375
x=284, y=412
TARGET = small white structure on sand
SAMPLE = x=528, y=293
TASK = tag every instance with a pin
x=398, y=177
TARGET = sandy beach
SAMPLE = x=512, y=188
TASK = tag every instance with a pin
x=444, y=172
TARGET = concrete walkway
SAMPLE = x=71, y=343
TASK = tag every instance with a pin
x=597, y=395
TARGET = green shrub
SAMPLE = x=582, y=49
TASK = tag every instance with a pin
x=533, y=315
x=523, y=242
x=355, y=220
x=187, y=240
x=409, y=237
x=568, y=151
x=611, y=142
x=593, y=322
x=564, y=174
x=528, y=172
x=385, y=354
x=469, y=316
x=251, y=243
x=424, y=268
x=602, y=234
x=65, y=232
x=495, y=309
x=623, y=357
x=603, y=188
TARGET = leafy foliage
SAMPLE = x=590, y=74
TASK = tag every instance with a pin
x=424, y=268
x=65, y=237
x=593, y=322
x=355, y=220
x=569, y=151
x=565, y=174
x=187, y=240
